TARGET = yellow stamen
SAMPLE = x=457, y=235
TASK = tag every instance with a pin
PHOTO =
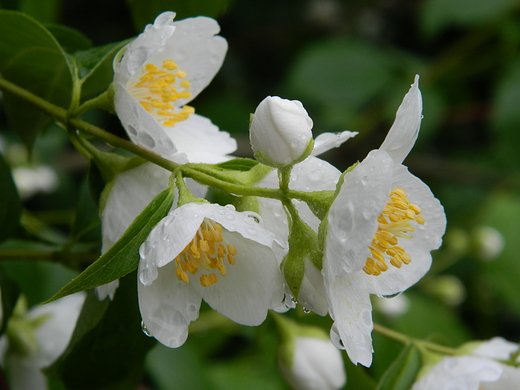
x=158, y=88
x=206, y=252
x=393, y=223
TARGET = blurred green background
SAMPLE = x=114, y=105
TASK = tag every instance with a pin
x=350, y=63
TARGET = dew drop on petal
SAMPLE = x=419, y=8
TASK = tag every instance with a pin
x=131, y=130
x=144, y=249
x=335, y=339
x=230, y=217
x=145, y=330
x=147, y=140
x=389, y=296
x=306, y=311
x=251, y=231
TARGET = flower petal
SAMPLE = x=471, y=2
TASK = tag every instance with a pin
x=351, y=310
x=168, y=305
x=131, y=192
x=201, y=140
x=251, y=286
x=140, y=126
x=327, y=141
x=167, y=239
x=405, y=129
x=426, y=238
x=461, y=373
x=312, y=290
x=352, y=218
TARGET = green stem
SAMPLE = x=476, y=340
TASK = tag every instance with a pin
x=392, y=334
x=61, y=115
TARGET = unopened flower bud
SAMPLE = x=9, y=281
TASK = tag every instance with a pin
x=307, y=359
x=280, y=132
x=488, y=243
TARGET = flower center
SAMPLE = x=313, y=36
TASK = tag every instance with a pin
x=207, y=251
x=394, y=223
x=157, y=89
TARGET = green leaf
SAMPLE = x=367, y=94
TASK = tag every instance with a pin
x=239, y=164
x=10, y=204
x=501, y=275
x=9, y=292
x=46, y=11
x=123, y=257
x=86, y=226
x=108, y=348
x=96, y=69
x=402, y=372
x=70, y=40
x=438, y=14
x=145, y=11
x=341, y=76
x=358, y=379
x=31, y=57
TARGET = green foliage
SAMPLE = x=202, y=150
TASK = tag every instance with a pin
x=105, y=352
x=9, y=292
x=402, y=372
x=31, y=57
x=439, y=14
x=123, y=257
x=95, y=68
x=10, y=205
x=145, y=11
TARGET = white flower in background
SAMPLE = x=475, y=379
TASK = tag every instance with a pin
x=313, y=363
x=489, y=242
x=312, y=174
x=35, y=339
x=31, y=180
x=206, y=251
x=482, y=370
x=161, y=71
x=393, y=307
x=380, y=230
x=280, y=132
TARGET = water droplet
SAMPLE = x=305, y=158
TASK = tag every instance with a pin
x=232, y=228
x=335, y=339
x=222, y=211
x=252, y=231
x=389, y=296
x=366, y=214
x=131, y=130
x=306, y=311
x=364, y=181
x=145, y=330
x=144, y=249
x=147, y=140
x=230, y=217
x=295, y=144
x=293, y=300
x=294, y=177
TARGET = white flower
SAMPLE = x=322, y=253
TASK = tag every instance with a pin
x=316, y=365
x=129, y=194
x=206, y=251
x=312, y=174
x=479, y=371
x=280, y=132
x=381, y=228
x=44, y=333
x=31, y=180
x=162, y=70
